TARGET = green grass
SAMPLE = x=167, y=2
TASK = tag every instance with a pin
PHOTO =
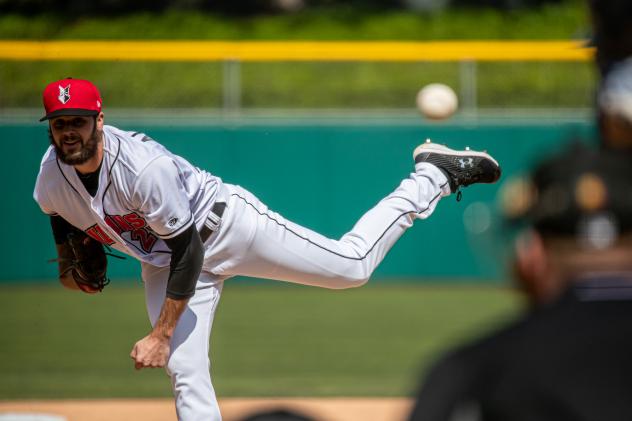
x=268, y=340
x=302, y=85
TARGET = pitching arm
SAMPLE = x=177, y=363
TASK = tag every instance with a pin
x=186, y=264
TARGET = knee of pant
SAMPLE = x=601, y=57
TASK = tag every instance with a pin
x=359, y=281
x=351, y=281
x=187, y=366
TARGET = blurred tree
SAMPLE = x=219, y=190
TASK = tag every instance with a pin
x=502, y=4
x=612, y=25
x=80, y=7
x=243, y=7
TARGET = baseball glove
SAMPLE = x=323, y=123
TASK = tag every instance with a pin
x=88, y=262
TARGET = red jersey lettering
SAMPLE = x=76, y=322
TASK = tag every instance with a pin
x=121, y=222
x=110, y=221
x=135, y=220
x=99, y=234
x=145, y=239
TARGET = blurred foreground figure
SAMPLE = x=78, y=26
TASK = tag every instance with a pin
x=614, y=102
x=612, y=37
x=570, y=356
x=278, y=415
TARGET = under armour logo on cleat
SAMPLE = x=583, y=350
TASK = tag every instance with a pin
x=466, y=162
x=64, y=94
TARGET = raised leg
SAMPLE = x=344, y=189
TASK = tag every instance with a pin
x=255, y=241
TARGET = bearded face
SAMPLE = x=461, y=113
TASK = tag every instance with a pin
x=75, y=138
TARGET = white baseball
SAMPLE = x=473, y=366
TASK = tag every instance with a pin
x=437, y=101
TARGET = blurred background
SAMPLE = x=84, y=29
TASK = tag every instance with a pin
x=310, y=104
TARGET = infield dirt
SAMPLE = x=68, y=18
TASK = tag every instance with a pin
x=233, y=409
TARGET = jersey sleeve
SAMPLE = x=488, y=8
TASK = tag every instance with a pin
x=160, y=196
x=40, y=192
x=41, y=197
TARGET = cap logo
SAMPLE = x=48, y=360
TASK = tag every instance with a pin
x=64, y=94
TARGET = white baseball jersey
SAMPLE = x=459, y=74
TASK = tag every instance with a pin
x=145, y=194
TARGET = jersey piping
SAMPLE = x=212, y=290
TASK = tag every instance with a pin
x=118, y=151
x=65, y=178
x=105, y=212
x=107, y=187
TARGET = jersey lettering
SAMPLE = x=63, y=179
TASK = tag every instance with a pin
x=98, y=234
x=109, y=219
x=146, y=239
x=134, y=220
x=121, y=224
x=136, y=226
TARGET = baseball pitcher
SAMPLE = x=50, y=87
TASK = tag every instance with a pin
x=103, y=186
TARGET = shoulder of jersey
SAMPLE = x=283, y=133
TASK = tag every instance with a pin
x=135, y=137
x=49, y=174
x=50, y=157
x=134, y=150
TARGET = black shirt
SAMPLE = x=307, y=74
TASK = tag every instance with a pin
x=91, y=180
x=571, y=360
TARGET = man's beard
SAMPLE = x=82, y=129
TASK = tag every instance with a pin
x=87, y=151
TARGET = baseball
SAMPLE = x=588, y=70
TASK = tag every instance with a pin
x=437, y=101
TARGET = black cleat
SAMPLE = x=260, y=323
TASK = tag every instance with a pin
x=462, y=168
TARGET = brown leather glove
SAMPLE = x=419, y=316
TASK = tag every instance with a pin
x=88, y=263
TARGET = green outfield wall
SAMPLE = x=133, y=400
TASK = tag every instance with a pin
x=322, y=174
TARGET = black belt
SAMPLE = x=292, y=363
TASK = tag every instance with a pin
x=211, y=224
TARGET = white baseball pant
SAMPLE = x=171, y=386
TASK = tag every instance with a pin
x=255, y=241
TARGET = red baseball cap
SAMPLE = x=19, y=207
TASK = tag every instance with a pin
x=71, y=97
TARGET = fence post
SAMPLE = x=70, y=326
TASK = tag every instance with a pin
x=231, y=86
x=469, y=88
